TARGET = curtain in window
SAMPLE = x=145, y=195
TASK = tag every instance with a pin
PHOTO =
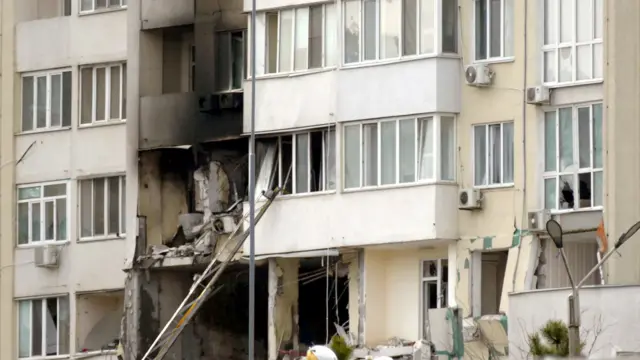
x=447, y=148
x=24, y=328
x=352, y=156
x=330, y=159
x=566, y=139
x=370, y=153
x=425, y=148
x=480, y=151
x=496, y=153
x=388, y=152
x=507, y=153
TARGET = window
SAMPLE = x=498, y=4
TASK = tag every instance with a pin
x=493, y=154
x=434, y=283
x=493, y=29
x=46, y=100
x=300, y=163
x=301, y=39
x=572, y=49
x=103, y=93
x=230, y=63
x=377, y=29
x=42, y=213
x=98, y=5
x=43, y=326
x=573, y=162
x=401, y=151
x=102, y=207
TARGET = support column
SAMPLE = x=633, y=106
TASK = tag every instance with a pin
x=283, y=305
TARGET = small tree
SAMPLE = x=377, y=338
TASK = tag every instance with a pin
x=339, y=346
x=552, y=340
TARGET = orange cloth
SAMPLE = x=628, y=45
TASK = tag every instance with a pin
x=602, y=235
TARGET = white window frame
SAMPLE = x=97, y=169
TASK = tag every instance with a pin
x=122, y=5
x=43, y=302
x=506, y=27
x=42, y=200
x=489, y=155
x=107, y=92
x=293, y=42
x=576, y=157
x=573, y=45
x=48, y=74
x=436, y=151
x=440, y=287
x=230, y=54
x=121, y=209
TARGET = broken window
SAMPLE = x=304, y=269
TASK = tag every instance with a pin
x=435, y=275
x=43, y=326
x=299, y=163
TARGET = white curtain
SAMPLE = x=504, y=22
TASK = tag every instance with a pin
x=425, y=149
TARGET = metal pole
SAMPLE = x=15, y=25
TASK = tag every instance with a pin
x=574, y=311
x=252, y=185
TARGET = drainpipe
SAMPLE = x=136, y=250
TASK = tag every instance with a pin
x=524, y=147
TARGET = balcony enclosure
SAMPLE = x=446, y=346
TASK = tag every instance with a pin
x=27, y=10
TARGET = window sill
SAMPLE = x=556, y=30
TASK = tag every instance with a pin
x=575, y=211
x=102, y=11
x=372, y=63
x=102, y=238
x=101, y=124
x=498, y=60
x=42, y=131
x=494, y=187
x=573, y=84
x=304, y=195
x=42, y=243
x=45, y=357
x=87, y=354
x=293, y=74
x=400, y=186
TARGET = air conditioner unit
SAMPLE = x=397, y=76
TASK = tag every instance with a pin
x=46, y=256
x=538, y=95
x=538, y=220
x=469, y=199
x=478, y=75
x=224, y=224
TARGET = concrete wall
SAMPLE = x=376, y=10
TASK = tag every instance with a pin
x=605, y=311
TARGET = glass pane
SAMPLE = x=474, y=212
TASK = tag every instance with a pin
x=49, y=229
x=597, y=188
x=449, y=26
x=63, y=325
x=550, y=21
x=86, y=5
x=114, y=3
x=124, y=91
x=101, y=4
x=51, y=325
x=390, y=28
x=288, y=176
x=331, y=35
x=584, y=190
x=426, y=143
x=481, y=29
x=55, y=190
x=597, y=136
x=286, y=40
x=123, y=211
x=24, y=328
x=100, y=93
x=495, y=27
x=584, y=17
x=114, y=205
x=223, y=71
x=599, y=16
x=566, y=23
x=566, y=140
x=32, y=192
x=427, y=26
x=388, y=152
x=27, y=103
x=301, y=55
x=98, y=207
x=56, y=100
x=352, y=156
x=272, y=42
x=237, y=57
x=565, y=65
x=370, y=154
x=36, y=328
x=330, y=159
x=409, y=31
x=315, y=37
x=23, y=223
x=302, y=163
x=495, y=153
x=66, y=98
x=447, y=148
x=508, y=28
x=41, y=102
x=114, y=96
x=432, y=299
x=351, y=31
x=429, y=268
x=480, y=155
x=550, y=199
x=61, y=219
x=566, y=197
x=36, y=216
x=86, y=76
x=550, y=66
x=507, y=153
x=85, y=208
x=584, y=137
x=597, y=61
x=550, y=141
x=583, y=62
x=370, y=33
x=407, y=151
